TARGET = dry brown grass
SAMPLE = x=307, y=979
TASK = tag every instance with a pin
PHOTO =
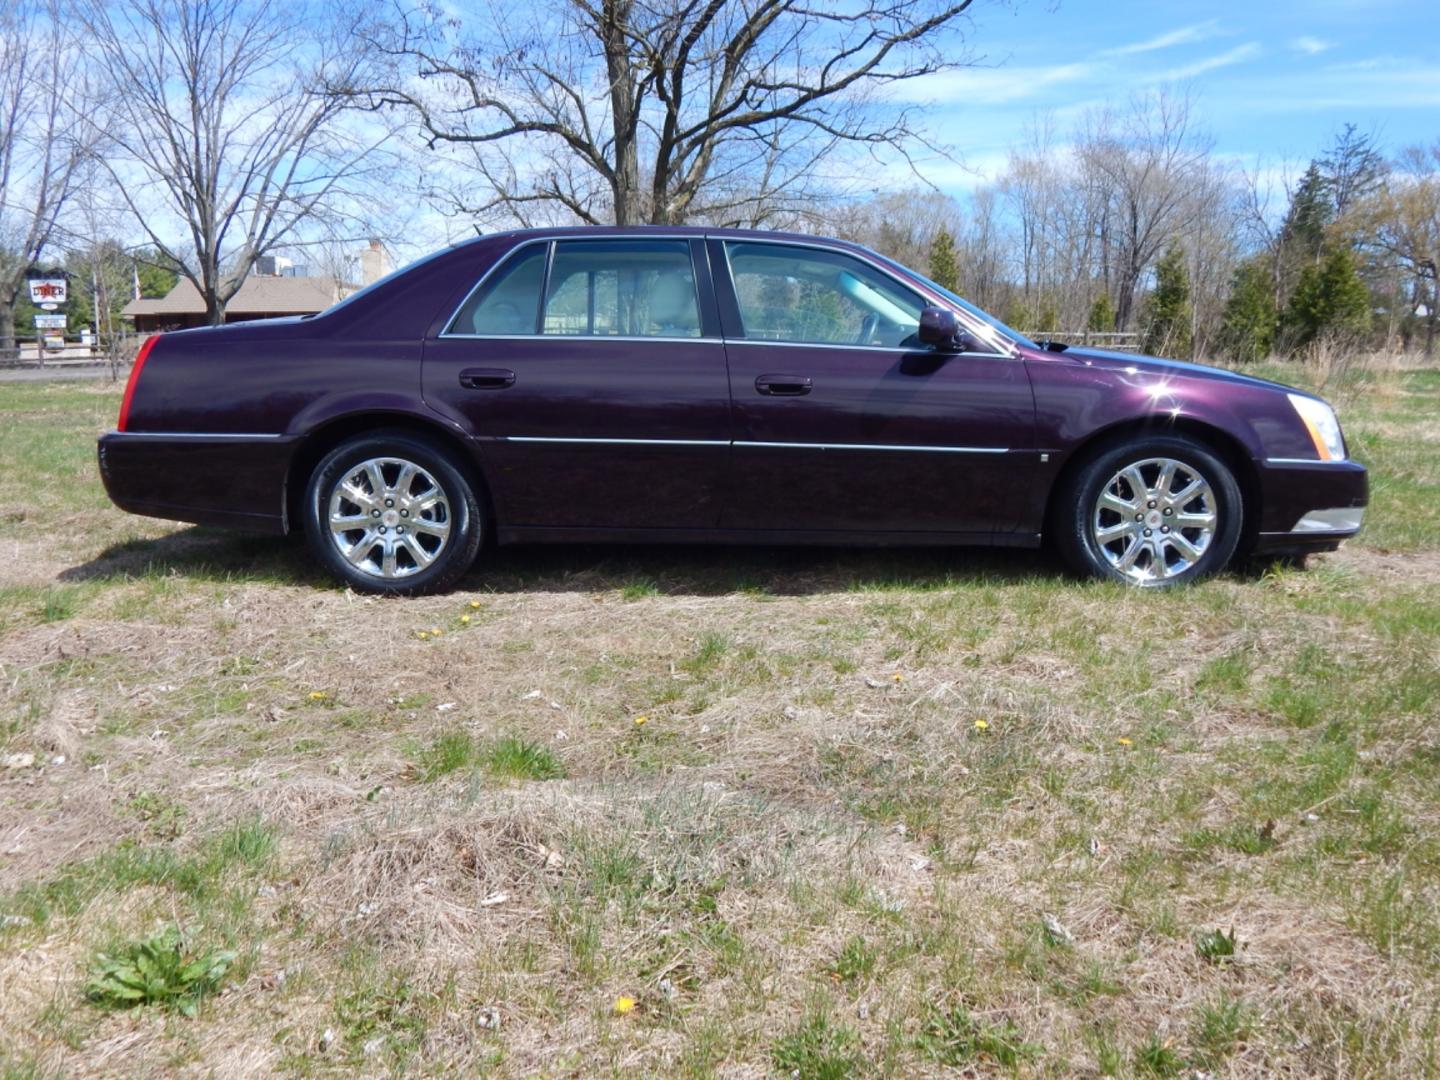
x=793, y=832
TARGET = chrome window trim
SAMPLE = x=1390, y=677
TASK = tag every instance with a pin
x=561, y=439
x=986, y=332
x=892, y=349
x=581, y=337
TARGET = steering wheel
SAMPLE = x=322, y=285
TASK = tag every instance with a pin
x=868, y=325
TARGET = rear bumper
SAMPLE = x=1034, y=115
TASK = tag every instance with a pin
x=234, y=481
x=1310, y=505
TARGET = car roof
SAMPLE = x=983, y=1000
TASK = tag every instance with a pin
x=698, y=231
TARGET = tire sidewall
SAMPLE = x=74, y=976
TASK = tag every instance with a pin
x=1084, y=553
x=465, y=537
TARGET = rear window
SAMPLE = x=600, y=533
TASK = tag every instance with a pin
x=509, y=301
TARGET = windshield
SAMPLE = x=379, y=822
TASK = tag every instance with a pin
x=983, y=316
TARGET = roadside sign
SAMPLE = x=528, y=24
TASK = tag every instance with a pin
x=48, y=290
x=51, y=322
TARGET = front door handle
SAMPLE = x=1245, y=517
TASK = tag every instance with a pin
x=484, y=378
x=783, y=385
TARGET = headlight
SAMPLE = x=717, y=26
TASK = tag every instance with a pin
x=1319, y=420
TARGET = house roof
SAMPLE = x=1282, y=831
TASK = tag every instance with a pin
x=257, y=296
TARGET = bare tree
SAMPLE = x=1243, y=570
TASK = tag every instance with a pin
x=901, y=224
x=1401, y=221
x=661, y=111
x=1153, y=163
x=226, y=147
x=43, y=93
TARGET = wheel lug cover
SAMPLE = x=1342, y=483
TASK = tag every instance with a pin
x=1152, y=504
x=374, y=513
x=382, y=530
x=1139, y=517
x=1147, y=531
x=406, y=513
x=1168, y=511
x=400, y=528
x=391, y=502
x=1163, y=529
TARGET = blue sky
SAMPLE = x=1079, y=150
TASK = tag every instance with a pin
x=1272, y=81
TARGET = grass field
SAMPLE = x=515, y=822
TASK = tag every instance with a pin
x=711, y=812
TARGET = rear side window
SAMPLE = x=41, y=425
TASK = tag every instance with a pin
x=799, y=294
x=622, y=288
x=509, y=301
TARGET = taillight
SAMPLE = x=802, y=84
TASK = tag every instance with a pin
x=134, y=380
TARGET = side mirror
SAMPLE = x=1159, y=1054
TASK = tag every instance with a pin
x=941, y=329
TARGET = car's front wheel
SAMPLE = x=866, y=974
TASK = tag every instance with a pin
x=1155, y=511
x=390, y=513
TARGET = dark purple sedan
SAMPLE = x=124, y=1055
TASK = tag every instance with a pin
x=650, y=384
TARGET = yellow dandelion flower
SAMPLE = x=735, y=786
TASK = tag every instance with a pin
x=423, y=636
x=1123, y=741
x=464, y=620
x=474, y=604
x=624, y=1005
x=435, y=631
x=641, y=721
x=318, y=695
x=898, y=677
x=982, y=725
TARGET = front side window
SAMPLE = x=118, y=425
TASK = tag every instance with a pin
x=811, y=296
x=622, y=288
x=509, y=300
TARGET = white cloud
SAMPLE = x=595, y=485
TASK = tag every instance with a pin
x=1310, y=46
x=1184, y=36
x=991, y=86
x=1237, y=55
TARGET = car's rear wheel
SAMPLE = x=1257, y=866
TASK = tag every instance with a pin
x=390, y=513
x=1152, y=512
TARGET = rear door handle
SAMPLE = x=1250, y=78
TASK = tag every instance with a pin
x=484, y=378
x=783, y=385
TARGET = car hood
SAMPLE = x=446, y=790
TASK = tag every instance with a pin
x=1160, y=366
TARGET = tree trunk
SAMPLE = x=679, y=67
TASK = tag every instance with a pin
x=7, y=330
x=214, y=310
x=1430, y=316
x=625, y=183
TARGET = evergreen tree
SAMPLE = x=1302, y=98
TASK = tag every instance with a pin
x=1249, y=322
x=1047, y=318
x=1311, y=209
x=944, y=266
x=1167, y=329
x=1102, y=314
x=1330, y=300
x=1019, y=314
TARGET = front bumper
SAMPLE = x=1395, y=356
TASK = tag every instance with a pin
x=1310, y=505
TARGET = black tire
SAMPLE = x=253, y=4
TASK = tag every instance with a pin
x=1077, y=515
x=394, y=565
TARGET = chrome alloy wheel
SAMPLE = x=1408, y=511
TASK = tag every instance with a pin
x=389, y=517
x=1154, y=519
